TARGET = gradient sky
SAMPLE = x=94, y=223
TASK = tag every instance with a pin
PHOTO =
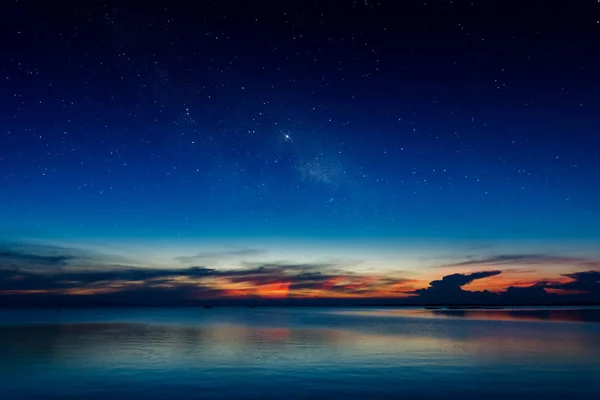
x=362, y=148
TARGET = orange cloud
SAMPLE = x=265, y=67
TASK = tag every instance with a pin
x=274, y=290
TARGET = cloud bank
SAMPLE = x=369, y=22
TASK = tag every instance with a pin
x=584, y=287
x=37, y=274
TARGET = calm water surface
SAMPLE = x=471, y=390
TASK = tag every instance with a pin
x=295, y=353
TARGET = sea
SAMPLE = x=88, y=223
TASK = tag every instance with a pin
x=300, y=353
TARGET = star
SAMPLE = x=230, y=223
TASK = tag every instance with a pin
x=287, y=137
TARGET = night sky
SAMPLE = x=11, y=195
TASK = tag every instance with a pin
x=235, y=150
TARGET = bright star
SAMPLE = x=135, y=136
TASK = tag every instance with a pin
x=287, y=137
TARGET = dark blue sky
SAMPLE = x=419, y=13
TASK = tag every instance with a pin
x=300, y=120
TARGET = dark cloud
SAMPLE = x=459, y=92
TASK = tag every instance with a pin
x=29, y=268
x=157, y=295
x=33, y=256
x=26, y=280
x=31, y=271
x=196, y=281
x=525, y=295
x=588, y=281
x=449, y=289
x=18, y=257
x=330, y=276
x=14, y=279
x=296, y=266
x=458, y=280
x=215, y=255
x=299, y=276
x=518, y=259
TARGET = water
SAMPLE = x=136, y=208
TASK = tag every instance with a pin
x=294, y=353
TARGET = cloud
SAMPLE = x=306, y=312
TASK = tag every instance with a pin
x=525, y=295
x=255, y=280
x=449, y=289
x=31, y=267
x=518, y=259
x=31, y=256
x=215, y=255
x=30, y=271
x=519, y=271
x=14, y=280
x=36, y=255
x=14, y=256
x=327, y=278
x=583, y=288
x=458, y=280
x=591, y=265
x=588, y=281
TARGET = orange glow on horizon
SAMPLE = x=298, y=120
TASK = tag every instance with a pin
x=499, y=283
x=278, y=284
x=274, y=290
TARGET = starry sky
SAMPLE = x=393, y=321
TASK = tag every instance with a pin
x=422, y=151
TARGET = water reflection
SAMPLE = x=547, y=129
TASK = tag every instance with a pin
x=589, y=314
x=91, y=343
x=577, y=315
x=295, y=354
